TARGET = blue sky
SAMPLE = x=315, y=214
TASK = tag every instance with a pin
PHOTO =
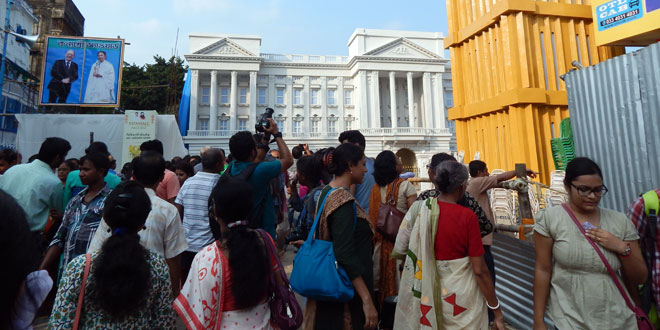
x=285, y=26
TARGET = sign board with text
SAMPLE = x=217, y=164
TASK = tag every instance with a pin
x=81, y=71
x=139, y=127
x=626, y=22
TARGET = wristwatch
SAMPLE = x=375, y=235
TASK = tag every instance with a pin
x=277, y=135
x=626, y=252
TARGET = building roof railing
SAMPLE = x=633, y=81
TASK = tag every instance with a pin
x=313, y=59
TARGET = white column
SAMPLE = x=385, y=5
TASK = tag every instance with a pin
x=364, y=101
x=306, y=99
x=340, y=127
x=253, y=97
x=428, y=102
x=375, y=101
x=393, y=113
x=213, y=102
x=439, y=102
x=323, y=99
x=272, y=92
x=233, y=101
x=411, y=101
x=194, y=88
x=288, y=99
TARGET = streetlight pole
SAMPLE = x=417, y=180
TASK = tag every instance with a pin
x=3, y=67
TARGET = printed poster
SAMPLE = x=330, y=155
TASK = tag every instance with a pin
x=139, y=127
x=82, y=71
x=617, y=12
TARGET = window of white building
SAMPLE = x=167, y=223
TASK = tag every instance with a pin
x=242, y=124
x=297, y=127
x=262, y=96
x=280, y=125
x=223, y=125
x=242, y=96
x=348, y=97
x=332, y=100
x=205, y=95
x=332, y=127
x=449, y=99
x=349, y=125
x=315, y=96
x=280, y=96
x=224, y=95
x=315, y=126
x=204, y=124
x=297, y=96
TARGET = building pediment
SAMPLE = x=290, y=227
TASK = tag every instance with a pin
x=224, y=47
x=403, y=48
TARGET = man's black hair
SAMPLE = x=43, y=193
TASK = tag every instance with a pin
x=476, y=166
x=152, y=145
x=242, y=145
x=439, y=158
x=296, y=152
x=8, y=155
x=148, y=168
x=97, y=146
x=354, y=137
x=53, y=147
x=100, y=161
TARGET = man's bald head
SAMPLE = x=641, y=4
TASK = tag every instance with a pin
x=212, y=160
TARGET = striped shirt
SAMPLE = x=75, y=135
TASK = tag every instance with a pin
x=194, y=197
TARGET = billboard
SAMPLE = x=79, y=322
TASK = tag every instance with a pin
x=626, y=22
x=81, y=71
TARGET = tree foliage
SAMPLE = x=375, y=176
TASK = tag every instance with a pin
x=156, y=86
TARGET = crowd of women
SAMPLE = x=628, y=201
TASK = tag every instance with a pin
x=434, y=261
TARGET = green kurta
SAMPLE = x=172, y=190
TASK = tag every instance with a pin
x=353, y=250
x=582, y=293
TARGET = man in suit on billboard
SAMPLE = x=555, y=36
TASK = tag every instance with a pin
x=64, y=73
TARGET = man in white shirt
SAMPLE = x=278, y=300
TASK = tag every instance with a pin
x=163, y=231
x=193, y=204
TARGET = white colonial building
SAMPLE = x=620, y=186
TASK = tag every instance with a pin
x=394, y=86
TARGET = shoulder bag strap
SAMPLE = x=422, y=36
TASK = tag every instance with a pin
x=602, y=257
x=319, y=211
x=391, y=193
x=221, y=264
x=88, y=262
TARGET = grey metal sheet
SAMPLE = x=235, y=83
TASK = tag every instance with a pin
x=614, y=108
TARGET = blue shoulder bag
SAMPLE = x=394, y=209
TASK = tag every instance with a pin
x=316, y=273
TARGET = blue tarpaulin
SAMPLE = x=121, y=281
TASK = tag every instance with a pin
x=184, y=106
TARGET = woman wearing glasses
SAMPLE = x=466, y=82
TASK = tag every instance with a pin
x=571, y=283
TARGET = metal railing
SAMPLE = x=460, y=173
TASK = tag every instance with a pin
x=295, y=58
x=401, y=131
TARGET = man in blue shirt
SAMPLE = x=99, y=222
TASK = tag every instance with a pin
x=243, y=149
x=362, y=191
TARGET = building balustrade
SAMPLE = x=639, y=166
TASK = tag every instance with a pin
x=401, y=131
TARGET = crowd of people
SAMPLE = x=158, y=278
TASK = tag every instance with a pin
x=189, y=239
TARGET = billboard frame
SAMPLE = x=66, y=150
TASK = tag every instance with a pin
x=83, y=72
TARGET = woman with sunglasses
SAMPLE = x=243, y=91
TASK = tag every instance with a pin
x=571, y=283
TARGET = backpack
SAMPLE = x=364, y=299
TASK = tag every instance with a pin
x=255, y=218
x=651, y=208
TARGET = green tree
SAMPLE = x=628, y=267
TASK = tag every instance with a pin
x=156, y=86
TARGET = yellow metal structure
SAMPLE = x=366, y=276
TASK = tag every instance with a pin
x=507, y=57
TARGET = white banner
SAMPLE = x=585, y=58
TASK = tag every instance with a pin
x=139, y=127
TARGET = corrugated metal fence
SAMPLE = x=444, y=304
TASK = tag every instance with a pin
x=615, y=110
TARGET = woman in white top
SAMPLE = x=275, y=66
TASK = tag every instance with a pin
x=101, y=81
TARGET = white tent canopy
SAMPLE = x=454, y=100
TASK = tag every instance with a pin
x=33, y=129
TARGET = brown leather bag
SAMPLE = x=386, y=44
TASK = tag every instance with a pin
x=389, y=218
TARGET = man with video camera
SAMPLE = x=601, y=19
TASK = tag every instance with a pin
x=243, y=148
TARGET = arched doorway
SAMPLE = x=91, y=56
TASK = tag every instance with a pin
x=409, y=160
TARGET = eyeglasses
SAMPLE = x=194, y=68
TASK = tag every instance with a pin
x=585, y=191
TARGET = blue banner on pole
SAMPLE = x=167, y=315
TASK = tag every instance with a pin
x=184, y=106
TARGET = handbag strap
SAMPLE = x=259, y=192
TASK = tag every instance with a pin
x=602, y=257
x=270, y=249
x=81, y=296
x=393, y=191
x=319, y=210
x=223, y=265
